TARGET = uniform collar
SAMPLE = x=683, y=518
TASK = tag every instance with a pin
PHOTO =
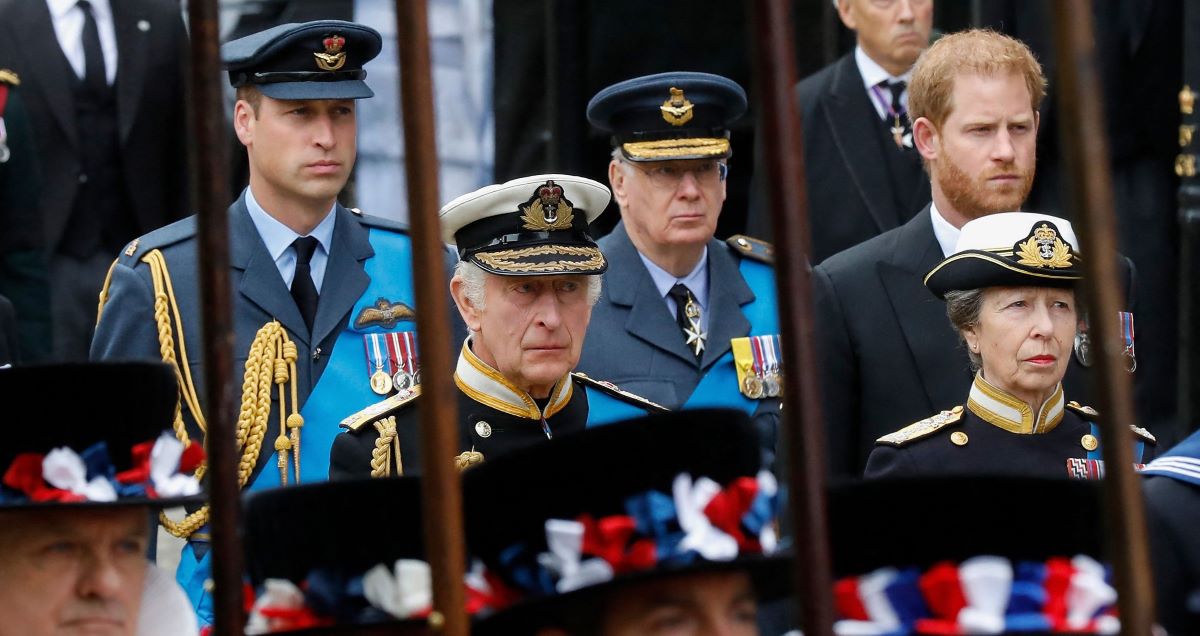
x=1001, y=408
x=485, y=385
x=696, y=280
x=278, y=237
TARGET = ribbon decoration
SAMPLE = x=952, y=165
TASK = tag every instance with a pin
x=982, y=595
x=700, y=535
x=281, y=607
x=565, y=540
x=62, y=475
x=406, y=591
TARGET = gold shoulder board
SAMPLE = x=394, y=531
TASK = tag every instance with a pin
x=380, y=409
x=1084, y=411
x=923, y=428
x=9, y=77
x=615, y=391
x=1143, y=433
x=752, y=248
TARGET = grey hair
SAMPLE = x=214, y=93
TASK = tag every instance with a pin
x=473, y=278
x=963, y=308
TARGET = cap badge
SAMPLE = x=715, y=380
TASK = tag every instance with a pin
x=334, y=57
x=677, y=110
x=1044, y=248
x=548, y=210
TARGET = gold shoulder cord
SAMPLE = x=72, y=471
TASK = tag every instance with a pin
x=386, y=446
x=272, y=359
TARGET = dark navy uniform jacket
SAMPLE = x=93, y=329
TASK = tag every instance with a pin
x=494, y=418
x=1172, y=489
x=977, y=441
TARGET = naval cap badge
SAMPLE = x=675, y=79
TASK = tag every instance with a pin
x=1044, y=247
x=334, y=57
x=548, y=209
x=677, y=110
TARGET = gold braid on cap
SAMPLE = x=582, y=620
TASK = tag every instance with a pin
x=272, y=359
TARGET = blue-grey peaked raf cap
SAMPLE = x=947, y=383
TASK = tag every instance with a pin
x=679, y=115
x=322, y=59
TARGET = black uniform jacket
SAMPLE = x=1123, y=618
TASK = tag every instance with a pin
x=988, y=437
x=494, y=418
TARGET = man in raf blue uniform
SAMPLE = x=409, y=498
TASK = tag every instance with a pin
x=525, y=284
x=685, y=320
x=312, y=280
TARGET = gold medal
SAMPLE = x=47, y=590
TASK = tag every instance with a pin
x=752, y=387
x=381, y=383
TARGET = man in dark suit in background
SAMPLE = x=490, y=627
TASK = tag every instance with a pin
x=864, y=176
x=887, y=352
x=104, y=85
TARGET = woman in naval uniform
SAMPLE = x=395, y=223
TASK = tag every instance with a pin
x=1009, y=292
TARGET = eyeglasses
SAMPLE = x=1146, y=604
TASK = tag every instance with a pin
x=669, y=175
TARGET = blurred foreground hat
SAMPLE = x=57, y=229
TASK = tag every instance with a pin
x=562, y=523
x=532, y=226
x=312, y=60
x=115, y=448
x=341, y=557
x=1010, y=249
x=681, y=115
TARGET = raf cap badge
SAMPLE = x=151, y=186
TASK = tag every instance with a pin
x=677, y=110
x=548, y=209
x=1044, y=248
x=334, y=57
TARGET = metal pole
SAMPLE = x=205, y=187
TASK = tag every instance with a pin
x=441, y=501
x=1189, y=225
x=210, y=183
x=775, y=70
x=1087, y=160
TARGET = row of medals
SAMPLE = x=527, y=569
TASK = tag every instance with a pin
x=766, y=385
x=383, y=384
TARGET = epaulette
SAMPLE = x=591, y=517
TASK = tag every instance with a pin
x=9, y=77
x=166, y=236
x=1084, y=411
x=1144, y=434
x=378, y=221
x=923, y=428
x=381, y=409
x=625, y=396
x=752, y=248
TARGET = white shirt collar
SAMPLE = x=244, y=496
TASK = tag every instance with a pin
x=696, y=280
x=277, y=236
x=945, y=233
x=872, y=74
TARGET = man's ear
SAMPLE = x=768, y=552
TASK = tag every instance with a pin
x=243, y=122
x=470, y=314
x=926, y=138
x=616, y=180
x=847, y=15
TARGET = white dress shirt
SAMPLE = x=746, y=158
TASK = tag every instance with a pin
x=68, y=28
x=946, y=234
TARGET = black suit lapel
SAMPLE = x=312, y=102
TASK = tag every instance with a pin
x=33, y=32
x=727, y=292
x=260, y=281
x=345, y=281
x=921, y=315
x=849, y=116
x=132, y=47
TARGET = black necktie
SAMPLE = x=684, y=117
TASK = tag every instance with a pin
x=897, y=89
x=687, y=316
x=304, y=292
x=94, y=76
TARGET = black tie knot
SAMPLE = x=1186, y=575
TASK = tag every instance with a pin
x=85, y=5
x=679, y=293
x=897, y=90
x=305, y=245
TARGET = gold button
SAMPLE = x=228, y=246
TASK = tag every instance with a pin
x=1090, y=442
x=959, y=438
x=956, y=410
x=483, y=429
